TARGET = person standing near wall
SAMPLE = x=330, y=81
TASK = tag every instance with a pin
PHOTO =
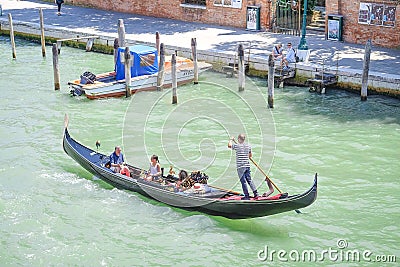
x=59, y=3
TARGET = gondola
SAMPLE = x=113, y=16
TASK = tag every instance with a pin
x=212, y=200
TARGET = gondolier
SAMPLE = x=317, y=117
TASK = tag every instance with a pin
x=243, y=153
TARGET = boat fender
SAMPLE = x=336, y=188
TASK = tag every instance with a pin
x=125, y=171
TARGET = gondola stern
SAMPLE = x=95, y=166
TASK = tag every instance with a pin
x=315, y=181
x=313, y=190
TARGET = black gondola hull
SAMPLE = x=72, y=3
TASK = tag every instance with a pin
x=214, y=204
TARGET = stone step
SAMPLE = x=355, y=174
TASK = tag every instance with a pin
x=317, y=30
x=312, y=24
x=316, y=26
x=319, y=8
x=320, y=20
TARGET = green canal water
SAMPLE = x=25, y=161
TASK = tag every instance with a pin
x=53, y=212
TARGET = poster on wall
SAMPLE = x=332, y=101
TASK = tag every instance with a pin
x=252, y=18
x=237, y=3
x=333, y=29
x=228, y=3
x=389, y=15
x=377, y=14
x=365, y=13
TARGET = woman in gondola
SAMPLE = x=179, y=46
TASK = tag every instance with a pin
x=155, y=169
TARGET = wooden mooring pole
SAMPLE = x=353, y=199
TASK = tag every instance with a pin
x=161, y=69
x=241, y=68
x=59, y=43
x=174, y=81
x=158, y=42
x=56, y=68
x=14, y=53
x=116, y=46
x=364, y=83
x=323, y=89
x=271, y=70
x=128, y=65
x=42, y=38
x=89, y=44
x=121, y=33
x=195, y=65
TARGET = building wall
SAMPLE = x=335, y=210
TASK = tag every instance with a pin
x=354, y=32
x=173, y=9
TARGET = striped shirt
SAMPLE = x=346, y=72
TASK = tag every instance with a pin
x=242, y=155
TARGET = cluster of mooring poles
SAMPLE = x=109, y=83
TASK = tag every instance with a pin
x=271, y=74
x=120, y=42
x=56, y=46
x=271, y=70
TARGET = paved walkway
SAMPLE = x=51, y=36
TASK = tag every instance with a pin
x=209, y=37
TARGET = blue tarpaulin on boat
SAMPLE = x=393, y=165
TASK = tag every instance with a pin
x=145, y=61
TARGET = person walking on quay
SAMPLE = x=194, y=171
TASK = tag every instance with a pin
x=243, y=153
x=59, y=3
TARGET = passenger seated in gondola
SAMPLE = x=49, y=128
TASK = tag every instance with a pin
x=181, y=177
x=118, y=163
x=155, y=169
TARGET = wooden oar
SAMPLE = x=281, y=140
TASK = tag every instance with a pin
x=226, y=190
x=269, y=179
x=266, y=176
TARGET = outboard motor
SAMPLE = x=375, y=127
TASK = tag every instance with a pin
x=88, y=78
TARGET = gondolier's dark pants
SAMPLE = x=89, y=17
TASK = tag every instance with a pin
x=245, y=178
